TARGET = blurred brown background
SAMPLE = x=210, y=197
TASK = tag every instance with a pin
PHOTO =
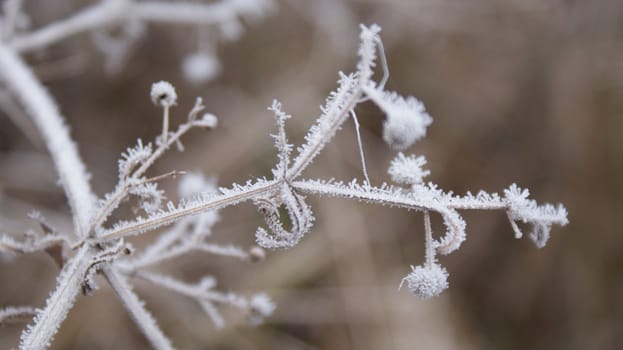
x=522, y=91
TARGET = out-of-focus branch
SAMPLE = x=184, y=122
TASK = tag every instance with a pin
x=137, y=310
x=44, y=112
x=111, y=12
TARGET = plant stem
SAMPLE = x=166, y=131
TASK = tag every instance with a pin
x=135, y=307
x=217, y=202
x=44, y=112
x=46, y=323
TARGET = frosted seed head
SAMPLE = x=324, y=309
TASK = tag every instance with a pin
x=406, y=123
x=408, y=170
x=200, y=67
x=163, y=94
x=427, y=281
x=407, y=119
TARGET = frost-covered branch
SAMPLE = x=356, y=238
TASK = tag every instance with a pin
x=143, y=319
x=75, y=180
x=137, y=160
x=46, y=322
x=16, y=314
x=406, y=123
x=429, y=198
x=190, y=234
x=237, y=194
x=12, y=10
x=185, y=236
x=103, y=249
x=9, y=245
x=44, y=112
x=258, y=306
x=106, y=13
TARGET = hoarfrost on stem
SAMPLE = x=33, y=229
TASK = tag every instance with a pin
x=99, y=246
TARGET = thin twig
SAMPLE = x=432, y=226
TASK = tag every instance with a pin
x=112, y=12
x=136, y=308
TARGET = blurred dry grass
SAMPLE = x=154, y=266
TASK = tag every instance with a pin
x=521, y=91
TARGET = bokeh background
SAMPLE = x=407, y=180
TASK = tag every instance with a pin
x=522, y=91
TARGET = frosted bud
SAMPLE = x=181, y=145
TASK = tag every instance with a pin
x=261, y=306
x=208, y=120
x=427, y=281
x=200, y=67
x=256, y=254
x=408, y=170
x=163, y=94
